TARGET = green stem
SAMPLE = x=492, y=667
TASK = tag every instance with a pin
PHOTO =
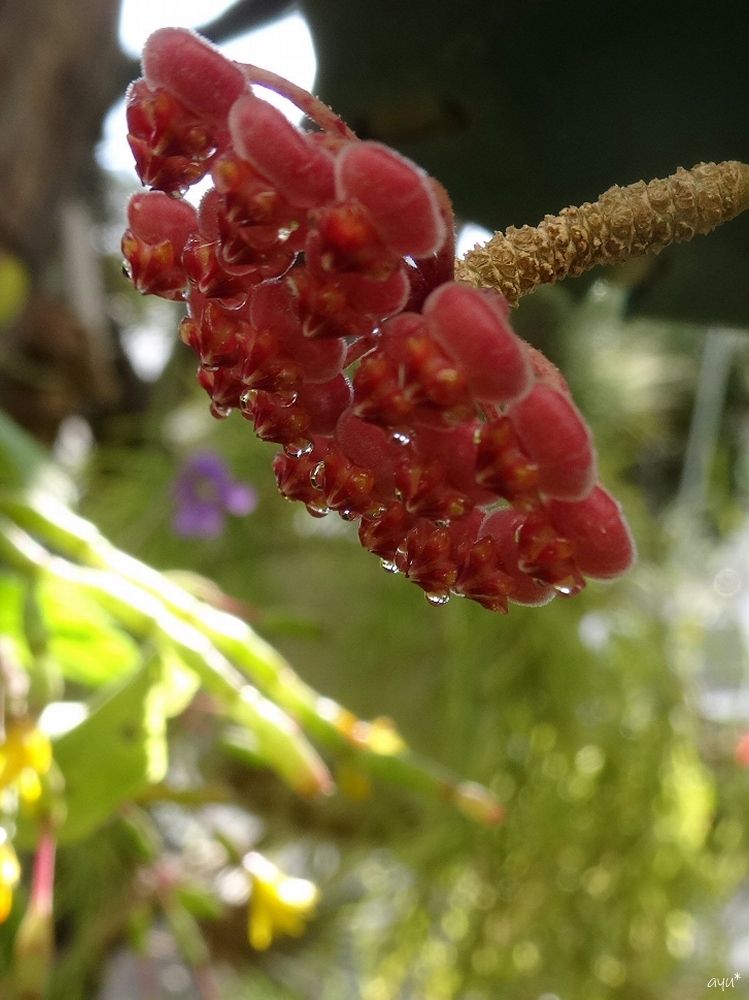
x=279, y=739
x=234, y=640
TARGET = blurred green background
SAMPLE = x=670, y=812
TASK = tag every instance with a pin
x=607, y=724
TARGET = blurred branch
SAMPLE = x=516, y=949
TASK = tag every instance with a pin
x=215, y=645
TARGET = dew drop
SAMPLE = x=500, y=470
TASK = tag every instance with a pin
x=399, y=437
x=296, y=449
x=247, y=399
x=317, y=510
x=209, y=367
x=317, y=476
x=219, y=412
x=389, y=566
x=127, y=270
x=287, y=397
x=438, y=598
x=233, y=302
x=348, y=515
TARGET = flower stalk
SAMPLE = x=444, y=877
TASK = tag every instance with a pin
x=625, y=222
x=34, y=942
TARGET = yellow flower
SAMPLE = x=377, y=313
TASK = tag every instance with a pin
x=10, y=873
x=25, y=754
x=279, y=903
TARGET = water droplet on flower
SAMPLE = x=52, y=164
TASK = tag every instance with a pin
x=438, y=598
x=234, y=301
x=247, y=399
x=296, y=449
x=388, y=565
x=219, y=412
x=317, y=510
x=348, y=515
x=399, y=437
x=568, y=587
x=127, y=270
x=317, y=476
x=209, y=367
x=287, y=397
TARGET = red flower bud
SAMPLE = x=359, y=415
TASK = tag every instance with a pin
x=193, y=70
x=503, y=526
x=397, y=195
x=300, y=169
x=479, y=339
x=596, y=527
x=556, y=438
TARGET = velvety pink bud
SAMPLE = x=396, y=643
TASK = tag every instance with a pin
x=155, y=217
x=301, y=170
x=424, y=489
x=378, y=394
x=367, y=445
x=502, y=526
x=193, y=70
x=479, y=577
x=546, y=371
x=294, y=473
x=456, y=448
x=425, y=556
x=320, y=360
x=478, y=337
x=275, y=420
x=598, y=531
x=325, y=402
x=396, y=193
x=376, y=298
x=556, y=438
x=383, y=532
x=274, y=307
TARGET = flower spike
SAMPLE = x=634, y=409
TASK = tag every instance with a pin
x=323, y=304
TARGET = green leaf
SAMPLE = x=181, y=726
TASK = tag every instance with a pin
x=25, y=465
x=118, y=750
x=179, y=683
x=11, y=607
x=87, y=645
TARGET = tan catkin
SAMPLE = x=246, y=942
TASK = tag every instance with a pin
x=625, y=222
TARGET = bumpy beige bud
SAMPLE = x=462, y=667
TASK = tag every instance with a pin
x=625, y=222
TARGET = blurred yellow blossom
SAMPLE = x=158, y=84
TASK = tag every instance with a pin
x=380, y=736
x=279, y=903
x=10, y=873
x=25, y=755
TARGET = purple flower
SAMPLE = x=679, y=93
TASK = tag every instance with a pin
x=204, y=493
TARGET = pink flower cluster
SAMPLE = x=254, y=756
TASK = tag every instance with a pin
x=318, y=275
